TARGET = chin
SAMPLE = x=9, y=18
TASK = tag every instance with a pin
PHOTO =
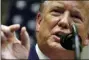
x=62, y=53
x=55, y=45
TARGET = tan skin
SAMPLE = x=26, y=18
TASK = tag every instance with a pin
x=48, y=22
x=56, y=17
x=11, y=47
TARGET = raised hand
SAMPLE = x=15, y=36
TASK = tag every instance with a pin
x=11, y=47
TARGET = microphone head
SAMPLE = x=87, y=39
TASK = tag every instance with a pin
x=68, y=40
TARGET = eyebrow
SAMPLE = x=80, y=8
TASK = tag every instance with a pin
x=62, y=7
x=73, y=11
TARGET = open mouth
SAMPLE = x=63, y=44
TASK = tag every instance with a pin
x=66, y=40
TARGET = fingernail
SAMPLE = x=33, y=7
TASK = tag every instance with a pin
x=24, y=28
x=17, y=25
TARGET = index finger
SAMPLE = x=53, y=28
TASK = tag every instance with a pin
x=9, y=29
x=14, y=27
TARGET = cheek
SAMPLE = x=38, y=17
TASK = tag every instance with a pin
x=46, y=27
x=49, y=23
x=44, y=31
x=82, y=31
x=52, y=22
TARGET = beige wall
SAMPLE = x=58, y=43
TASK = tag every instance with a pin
x=85, y=53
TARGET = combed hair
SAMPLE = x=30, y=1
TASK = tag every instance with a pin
x=41, y=5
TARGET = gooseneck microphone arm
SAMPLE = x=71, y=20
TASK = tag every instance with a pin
x=77, y=45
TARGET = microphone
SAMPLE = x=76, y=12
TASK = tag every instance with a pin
x=72, y=41
x=77, y=43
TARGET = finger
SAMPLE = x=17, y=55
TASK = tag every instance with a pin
x=86, y=41
x=3, y=38
x=4, y=28
x=9, y=30
x=14, y=27
x=15, y=39
x=83, y=35
x=25, y=40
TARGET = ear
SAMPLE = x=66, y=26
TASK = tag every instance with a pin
x=38, y=20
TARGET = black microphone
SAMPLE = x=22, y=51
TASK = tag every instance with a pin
x=72, y=41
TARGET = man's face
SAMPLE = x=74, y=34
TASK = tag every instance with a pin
x=57, y=18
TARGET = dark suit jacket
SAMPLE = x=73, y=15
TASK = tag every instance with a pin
x=33, y=55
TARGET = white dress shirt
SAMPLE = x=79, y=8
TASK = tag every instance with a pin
x=39, y=53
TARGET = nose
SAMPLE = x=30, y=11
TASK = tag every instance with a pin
x=64, y=21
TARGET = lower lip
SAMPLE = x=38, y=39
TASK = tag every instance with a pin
x=56, y=38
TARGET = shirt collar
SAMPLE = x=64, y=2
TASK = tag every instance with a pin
x=39, y=53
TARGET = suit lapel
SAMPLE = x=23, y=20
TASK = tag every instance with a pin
x=33, y=55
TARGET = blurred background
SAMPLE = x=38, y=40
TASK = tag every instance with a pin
x=21, y=12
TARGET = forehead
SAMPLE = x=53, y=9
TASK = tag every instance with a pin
x=66, y=4
x=73, y=3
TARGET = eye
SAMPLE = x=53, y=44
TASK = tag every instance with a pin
x=57, y=12
x=76, y=16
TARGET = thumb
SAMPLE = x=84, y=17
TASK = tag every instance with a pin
x=25, y=40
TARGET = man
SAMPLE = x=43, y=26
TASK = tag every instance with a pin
x=54, y=18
